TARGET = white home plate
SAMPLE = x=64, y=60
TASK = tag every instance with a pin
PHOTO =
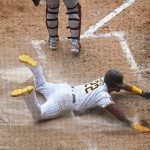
x=18, y=75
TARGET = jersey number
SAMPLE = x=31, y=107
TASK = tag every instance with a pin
x=93, y=85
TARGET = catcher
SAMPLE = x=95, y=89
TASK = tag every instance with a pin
x=62, y=98
x=74, y=12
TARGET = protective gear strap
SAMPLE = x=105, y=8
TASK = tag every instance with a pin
x=50, y=12
x=54, y=19
x=73, y=12
x=76, y=28
x=54, y=36
x=74, y=19
x=75, y=38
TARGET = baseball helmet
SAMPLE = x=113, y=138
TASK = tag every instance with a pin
x=114, y=78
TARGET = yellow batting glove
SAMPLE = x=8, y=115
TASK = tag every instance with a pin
x=140, y=127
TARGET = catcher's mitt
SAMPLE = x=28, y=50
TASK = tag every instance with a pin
x=146, y=95
x=36, y=2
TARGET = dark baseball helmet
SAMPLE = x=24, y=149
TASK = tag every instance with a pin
x=114, y=78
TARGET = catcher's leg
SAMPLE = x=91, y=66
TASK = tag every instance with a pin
x=52, y=10
x=74, y=12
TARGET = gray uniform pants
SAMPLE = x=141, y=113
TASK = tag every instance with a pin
x=68, y=3
x=74, y=12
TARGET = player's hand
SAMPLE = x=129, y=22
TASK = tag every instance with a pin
x=139, y=127
x=146, y=95
x=36, y=2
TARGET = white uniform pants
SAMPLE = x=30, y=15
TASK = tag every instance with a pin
x=58, y=101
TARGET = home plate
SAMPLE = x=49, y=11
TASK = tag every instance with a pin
x=18, y=75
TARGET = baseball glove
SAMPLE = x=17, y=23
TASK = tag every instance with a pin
x=36, y=2
x=139, y=127
x=146, y=95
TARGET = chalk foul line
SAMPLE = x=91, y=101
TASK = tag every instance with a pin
x=107, y=18
x=123, y=42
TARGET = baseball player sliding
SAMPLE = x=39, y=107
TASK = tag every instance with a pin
x=62, y=98
x=74, y=13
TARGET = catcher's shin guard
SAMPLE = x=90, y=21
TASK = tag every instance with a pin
x=52, y=25
x=75, y=26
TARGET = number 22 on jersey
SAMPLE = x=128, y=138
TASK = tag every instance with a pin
x=93, y=85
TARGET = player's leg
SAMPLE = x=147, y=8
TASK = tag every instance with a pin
x=74, y=12
x=41, y=85
x=37, y=70
x=52, y=10
x=50, y=109
x=29, y=96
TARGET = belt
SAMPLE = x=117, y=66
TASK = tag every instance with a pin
x=73, y=95
x=74, y=98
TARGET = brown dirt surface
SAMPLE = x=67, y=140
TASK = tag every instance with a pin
x=22, y=25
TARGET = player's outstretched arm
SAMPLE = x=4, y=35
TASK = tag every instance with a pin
x=136, y=90
x=121, y=116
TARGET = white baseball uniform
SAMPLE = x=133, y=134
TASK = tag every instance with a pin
x=62, y=98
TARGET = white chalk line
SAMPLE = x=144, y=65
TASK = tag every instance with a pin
x=123, y=42
x=16, y=74
x=37, y=45
x=95, y=27
x=89, y=34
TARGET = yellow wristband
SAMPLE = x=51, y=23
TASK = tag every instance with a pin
x=136, y=90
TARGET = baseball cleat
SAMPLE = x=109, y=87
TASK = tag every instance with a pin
x=75, y=47
x=21, y=92
x=75, y=51
x=28, y=60
x=54, y=44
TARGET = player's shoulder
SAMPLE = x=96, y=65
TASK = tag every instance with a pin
x=103, y=94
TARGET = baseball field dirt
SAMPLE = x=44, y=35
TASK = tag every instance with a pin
x=114, y=34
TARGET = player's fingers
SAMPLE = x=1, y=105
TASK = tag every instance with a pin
x=140, y=128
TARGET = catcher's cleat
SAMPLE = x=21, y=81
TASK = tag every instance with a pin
x=21, y=92
x=75, y=47
x=28, y=60
x=140, y=127
x=53, y=45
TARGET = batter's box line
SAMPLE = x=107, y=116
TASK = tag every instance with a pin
x=123, y=42
x=37, y=45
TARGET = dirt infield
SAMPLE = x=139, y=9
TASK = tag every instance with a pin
x=115, y=34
